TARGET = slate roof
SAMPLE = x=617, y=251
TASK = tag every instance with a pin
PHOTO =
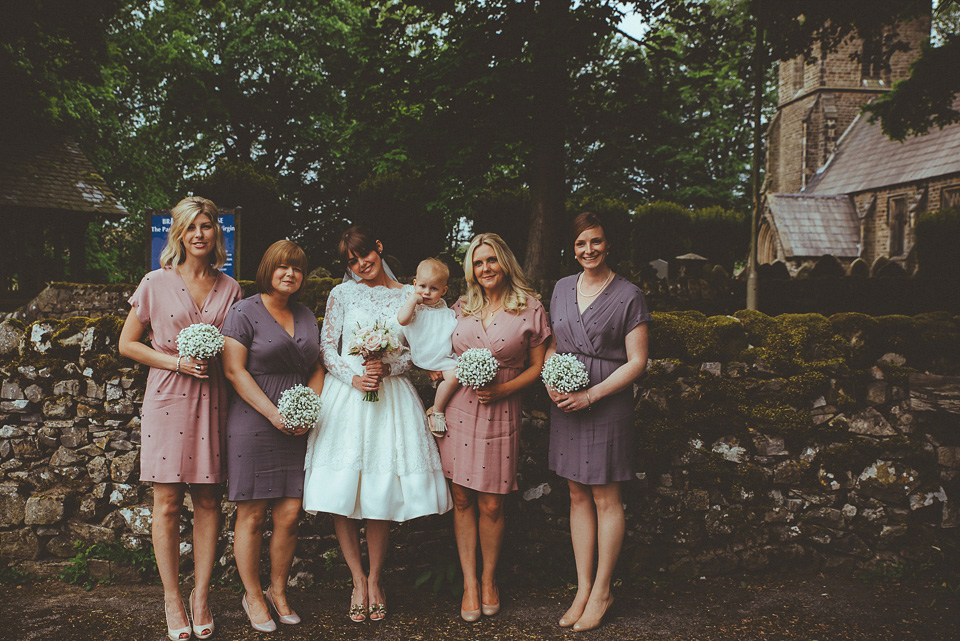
x=53, y=174
x=866, y=159
x=815, y=225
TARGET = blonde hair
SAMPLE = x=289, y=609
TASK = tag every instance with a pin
x=282, y=252
x=183, y=215
x=517, y=288
x=435, y=266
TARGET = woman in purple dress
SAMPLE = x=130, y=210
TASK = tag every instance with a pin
x=479, y=454
x=601, y=318
x=272, y=344
x=184, y=405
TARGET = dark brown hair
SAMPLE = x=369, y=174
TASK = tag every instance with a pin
x=584, y=221
x=282, y=252
x=357, y=240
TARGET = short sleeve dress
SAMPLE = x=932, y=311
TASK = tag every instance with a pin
x=482, y=442
x=263, y=462
x=182, y=428
x=595, y=446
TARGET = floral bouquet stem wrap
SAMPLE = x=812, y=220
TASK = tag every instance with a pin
x=565, y=373
x=373, y=342
x=199, y=341
x=299, y=406
x=476, y=367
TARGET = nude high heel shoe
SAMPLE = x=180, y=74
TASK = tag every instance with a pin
x=287, y=619
x=201, y=631
x=269, y=626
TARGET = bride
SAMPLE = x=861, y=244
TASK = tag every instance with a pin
x=372, y=460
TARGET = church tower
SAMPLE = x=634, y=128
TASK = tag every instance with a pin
x=816, y=102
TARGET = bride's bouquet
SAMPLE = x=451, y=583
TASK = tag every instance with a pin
x=199, y=341
x=299, y=406
x=372, y=342
x=565, y=373
x=476, y=367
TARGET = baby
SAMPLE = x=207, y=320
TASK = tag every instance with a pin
x=428, y=325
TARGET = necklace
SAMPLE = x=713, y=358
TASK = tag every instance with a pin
x=604, y=284
x=488, y=312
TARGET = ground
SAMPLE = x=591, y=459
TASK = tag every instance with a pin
x=770, y=608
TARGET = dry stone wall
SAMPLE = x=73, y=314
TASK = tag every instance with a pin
x=764, y=442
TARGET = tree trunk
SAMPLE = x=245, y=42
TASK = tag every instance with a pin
x=547, y=178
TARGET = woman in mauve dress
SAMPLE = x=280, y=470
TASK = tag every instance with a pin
x=185, y=402
x=479, y=454
x=272, y=344
x=601, y=318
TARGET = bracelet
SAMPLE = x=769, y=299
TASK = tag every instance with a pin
x=589, y=402
x=178, y=365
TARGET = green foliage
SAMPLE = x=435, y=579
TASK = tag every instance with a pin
x=938, y=233
x=77, y=573
x=666, y=230
x=12, y=576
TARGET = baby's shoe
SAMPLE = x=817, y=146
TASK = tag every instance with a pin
x=438, y=424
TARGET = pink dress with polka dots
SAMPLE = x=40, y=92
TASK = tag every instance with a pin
x=482, y=442
x=182, y=430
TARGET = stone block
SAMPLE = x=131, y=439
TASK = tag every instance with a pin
x=65, y=456
x=123, y=495
x=21, y=406
x=58, y=407
x=11, y=391
x=122, y=407
x=47, y=508
x=24, y=448
x=870, y=422
x=88, y=533
x=948, y=456
x=34, y=393
x=139, y=519
x=122, y=467
x=11, y=431
x=86, y=411
x=19, y=544
x=73, y=437
x=537, y=492
x=98, y=469
x=93, y=390
x=10, y=338
x=714, y=369
x=69, y=387
x=48, y=438
x=39, y=338
x=12, y=505
x=769, y=445
x=790, y=472
x=885, y=481
x=878, y=393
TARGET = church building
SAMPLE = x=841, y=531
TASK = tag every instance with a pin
x=836, y=185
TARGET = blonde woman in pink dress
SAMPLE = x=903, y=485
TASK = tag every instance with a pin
x=479, y=454
x=185, y=402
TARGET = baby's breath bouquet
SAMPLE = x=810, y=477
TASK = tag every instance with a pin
x=564, y=373
x=476, y=367
x=299, y=406
x=200, y=341
x=372, y=342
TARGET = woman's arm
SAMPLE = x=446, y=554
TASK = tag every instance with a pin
x=619, y=380
x=235, y=368
x=529, y=376
x=130, y=346
x=315, y=380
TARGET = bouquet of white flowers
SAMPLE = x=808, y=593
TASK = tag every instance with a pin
x=200, y=341
x=373, y=341
x=476, y=367
x=564, y=373
x=299, y=406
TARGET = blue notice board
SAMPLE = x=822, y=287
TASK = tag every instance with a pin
x=160, y=226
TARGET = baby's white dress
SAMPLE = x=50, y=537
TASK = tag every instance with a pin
x=370, y=459
x=429, y=334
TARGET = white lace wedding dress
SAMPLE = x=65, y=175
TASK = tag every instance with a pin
x=370, y=459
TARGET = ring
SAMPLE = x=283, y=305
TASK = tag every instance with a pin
x=197, y=367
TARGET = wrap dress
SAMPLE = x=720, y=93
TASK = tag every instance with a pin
x=482, y=443
x=595, y=446
x=182, y=429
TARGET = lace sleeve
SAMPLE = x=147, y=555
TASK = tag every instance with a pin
x=401, y=361
x=330, y=339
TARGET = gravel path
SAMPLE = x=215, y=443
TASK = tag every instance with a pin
x=806, y=608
